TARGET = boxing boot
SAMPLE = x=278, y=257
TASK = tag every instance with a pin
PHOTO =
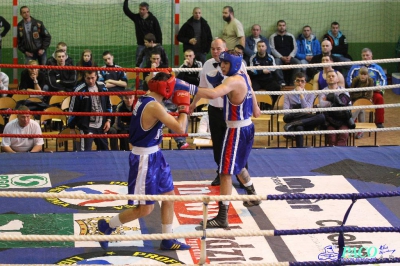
x=221, y=220
x=251, y=191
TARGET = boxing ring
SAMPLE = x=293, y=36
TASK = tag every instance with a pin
x=325, y=206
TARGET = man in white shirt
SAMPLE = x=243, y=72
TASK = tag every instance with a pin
x=4, y=82
x=22, y=125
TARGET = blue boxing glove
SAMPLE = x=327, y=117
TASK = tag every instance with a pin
x=182, y=85
x=214, y=77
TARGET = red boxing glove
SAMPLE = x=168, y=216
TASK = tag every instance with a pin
x=182, y=100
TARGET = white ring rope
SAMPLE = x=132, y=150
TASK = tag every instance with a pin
x=319, y=65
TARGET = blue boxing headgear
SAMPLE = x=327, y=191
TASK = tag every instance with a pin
x=234, y=60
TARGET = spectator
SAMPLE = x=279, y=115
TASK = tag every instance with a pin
x=61, y=80
x=22, y=125
x=113, y=80
x=300, y=121
x=155, y=59
x=263, y=79
x=284, y=49
x=320, y=79
x=307, y=46
x=33, y=79
x=145, y=22
x=190, y=62
x=251, y=41
x=86, y=60
x=151, y=46
x=376, y=72
x=196, y=35
x=233, y=30
x=339, y=43
x=121, y=125
x=32, y=37
x=4, y=82
x=4, y=28
x=52, y=61
x=96, y=104
x=361, y=81
x=336, y=120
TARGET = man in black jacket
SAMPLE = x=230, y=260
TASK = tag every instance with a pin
x=6, y=27
x=32, y=37
x=96, y=104
x=195, y=35
x=61, y=80
x=145, y=22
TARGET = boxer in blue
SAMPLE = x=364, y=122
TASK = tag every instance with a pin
x=149, y=173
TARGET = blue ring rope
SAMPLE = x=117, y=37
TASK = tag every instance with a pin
x=345, y=262
x=349, y=196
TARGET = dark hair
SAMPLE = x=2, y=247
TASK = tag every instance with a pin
x=89, y=72
x=300, y=75
x=239, y=46
x=106, y=53
x=233, y=52
x=230, y=9
x=144, y=4
x=306, y=26
x=59, y=51
x=261, y=41
x=280, y=21
x=150, y=37
x=335, y=23
x=327, y=55
x=20, y=9
x=155, y=52
x=23, y=108
x=161, y=76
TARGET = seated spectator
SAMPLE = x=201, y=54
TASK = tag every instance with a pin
x=151, y=46
x=263, y=79
x=336, y=120
x=155, y=59
x=33, y=79
x=320, y=81
x=113, y=80
x=61, y=80
x=307, y=46
x=86, y=60
x=361, y=81
x=239, y=49
x=284, y=49
x=22, y=125
x=301, y=121
x=340, y=46
x=121, y=125
x=190, y=62
x=4, y=82
x=251, y=43
x=52, y=61
x=376, y=72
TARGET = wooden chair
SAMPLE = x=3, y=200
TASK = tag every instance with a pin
x=131, y=77
x=264, y=98
x=34, y=99
x=48, y=120
x=64, y=141
x=115, y=100
x=7, y=103
x=65, y=104
x=201, y=106
x=56, y=100
x=279, y=117
x=366, y=125
x=20, y=97
x=309, y=87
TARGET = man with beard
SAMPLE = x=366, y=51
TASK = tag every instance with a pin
x=233, y=32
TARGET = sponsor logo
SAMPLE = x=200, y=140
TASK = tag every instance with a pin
x=92, y=187
x=331, y=252
x=24, y=181
x=119, y=258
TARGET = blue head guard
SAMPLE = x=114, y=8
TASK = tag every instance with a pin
x=235, y=60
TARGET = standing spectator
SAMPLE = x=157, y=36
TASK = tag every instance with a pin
x=113, y=80
x=339, y=43
x=96, y=104
x=284, y=49
x=122, y=123
x=52, y=61
x=151, y=46
x=86, y=60
x=300, y=121
x=376, y=72
x=32, y=78
x=32, y=37
x=251, y=43
x=4, y=82
x=190, y=62
x=320, y=79
x=335, y=120
x=145, y=22
x=61, y=80
x=4, y=28
x=196, y=35
x=361, y=81
x=307, y=46
x=263, y=79
x=233, y=32
x=22, y=125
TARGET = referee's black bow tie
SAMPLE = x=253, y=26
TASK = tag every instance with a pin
x=216, y=64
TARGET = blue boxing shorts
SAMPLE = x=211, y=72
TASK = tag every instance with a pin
x=149, y=174
x=236, y=148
